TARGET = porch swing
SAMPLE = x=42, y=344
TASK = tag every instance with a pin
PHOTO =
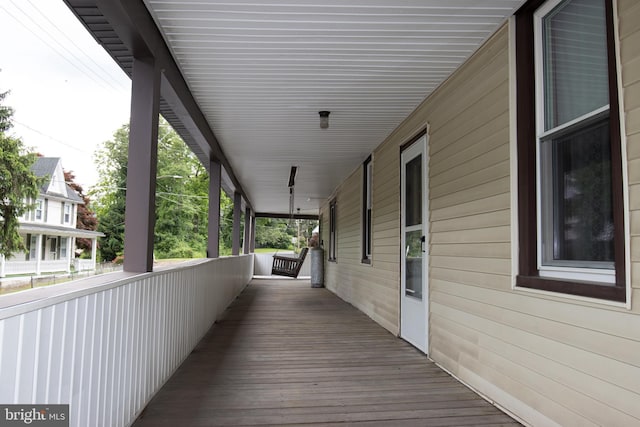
x=284, y=265
x=288, y=266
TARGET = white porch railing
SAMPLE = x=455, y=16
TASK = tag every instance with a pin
x=29, y=267
x=264, y=261
x=57, y=265
x=83, y=264
x=106, y=344
x=19, y=267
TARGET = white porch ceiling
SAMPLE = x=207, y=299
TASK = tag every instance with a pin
x=261, y=70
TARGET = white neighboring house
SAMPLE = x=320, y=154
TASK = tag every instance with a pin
x=49, y=230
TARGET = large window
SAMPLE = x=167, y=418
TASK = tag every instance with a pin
x=333, y=248
x=569, y=158
x=367, y=197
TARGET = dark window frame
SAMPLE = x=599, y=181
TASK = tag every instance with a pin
x=529, y=275
x=367, y=209
x=333, y=244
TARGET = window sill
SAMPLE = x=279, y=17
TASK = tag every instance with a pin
x=366, y=261
x=579, y=288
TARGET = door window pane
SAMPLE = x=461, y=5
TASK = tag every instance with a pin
x=413, y=263
x=413, y=196
x=574, y=44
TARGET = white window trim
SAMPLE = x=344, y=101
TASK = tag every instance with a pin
x=39, y=206
x=592, y=274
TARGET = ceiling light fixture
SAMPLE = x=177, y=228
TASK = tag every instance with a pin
x=324, y=119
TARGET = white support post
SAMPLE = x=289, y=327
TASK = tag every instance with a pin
x=94, y=248
x=71, y=243
x=2, y=273
x=38, y=254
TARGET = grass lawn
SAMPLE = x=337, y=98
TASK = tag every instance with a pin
x=269, y=250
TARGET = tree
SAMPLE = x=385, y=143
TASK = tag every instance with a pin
x=86, y=217
x=272, y=233
x=181, y=199
x=18, y=184
x=181, y=196
x=110, y=193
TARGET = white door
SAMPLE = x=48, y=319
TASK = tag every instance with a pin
x=413, y=299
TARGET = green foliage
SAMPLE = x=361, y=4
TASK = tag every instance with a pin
x=273, y=233
x=17, y=184
x=181, y=196
x=110, y=193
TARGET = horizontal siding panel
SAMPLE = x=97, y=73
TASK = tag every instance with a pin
x=391, y=219
x=493, y=104
x=633, y=146
x=494, y=382
x=622, y=350
x=633, y=121
x=630, y=45
x=472, y=178
x=461, y=151
x=482, y=250
x=631, y=72
x=484, y=235
x=472, y=278
x=534, y=353
x=387, y=263
x=523, y=382
x=480, y=265
x=469, y=95
x=491, y=219
x=490, y=204
x=607, y=320
x=629, y=17
x=479, y=192
x=632, y=96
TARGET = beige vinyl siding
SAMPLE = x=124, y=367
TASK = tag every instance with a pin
x=370, y=288
x=549, y=359
x=630, y=53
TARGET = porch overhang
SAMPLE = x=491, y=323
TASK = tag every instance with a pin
x=243, y=83
x=59, y=231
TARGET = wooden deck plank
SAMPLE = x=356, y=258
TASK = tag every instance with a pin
x=288, y=354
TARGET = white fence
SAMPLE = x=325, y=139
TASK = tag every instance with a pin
x=264, y=261
x=83, y=264
x=106, y=344
x=29, y=267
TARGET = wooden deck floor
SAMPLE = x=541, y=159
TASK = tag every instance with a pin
x=287, y=354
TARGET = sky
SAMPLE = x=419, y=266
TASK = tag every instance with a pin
x=68, y=94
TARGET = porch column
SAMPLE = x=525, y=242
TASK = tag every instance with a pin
x=2, y=273
x=94, y=251
x=213, y=239
x=139, y=218
x=71, y=244
x=235, y=246
x=38, y=254
x=252, y=242
x=246, y=245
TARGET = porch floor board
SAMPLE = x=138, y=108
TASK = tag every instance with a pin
x=287, y=354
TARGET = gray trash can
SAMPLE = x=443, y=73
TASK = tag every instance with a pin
x=317, y=267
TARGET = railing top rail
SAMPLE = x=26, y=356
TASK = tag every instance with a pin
x=33, y=299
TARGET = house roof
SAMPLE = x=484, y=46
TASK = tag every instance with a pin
x=46, y=167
